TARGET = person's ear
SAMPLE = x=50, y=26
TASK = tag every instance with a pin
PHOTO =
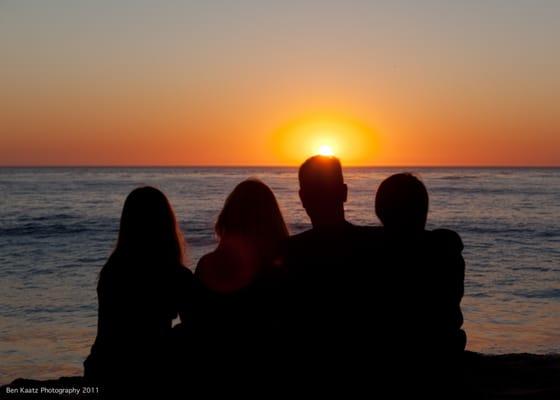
x=344, y=192
x=302, y=197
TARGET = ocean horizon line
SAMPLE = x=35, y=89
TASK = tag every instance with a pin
x=241, y=166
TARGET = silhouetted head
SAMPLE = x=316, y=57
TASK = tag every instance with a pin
x=148, y=228
x=401, y=203
x=322, y=190
x=252, y=212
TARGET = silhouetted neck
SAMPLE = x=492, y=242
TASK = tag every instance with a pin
x=405, y=235
x=331, y=224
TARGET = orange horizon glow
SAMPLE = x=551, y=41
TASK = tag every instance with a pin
x=326, y=134
x=200, y=84
x=134, y=134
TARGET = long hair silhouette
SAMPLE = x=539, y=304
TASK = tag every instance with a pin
x=251, y=211
x=149, y=229
x=141, y=289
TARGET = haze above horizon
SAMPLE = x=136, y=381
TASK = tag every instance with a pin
x=262, y=83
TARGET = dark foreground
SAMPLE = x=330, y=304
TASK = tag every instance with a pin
x=513, y=376
x=509, y=376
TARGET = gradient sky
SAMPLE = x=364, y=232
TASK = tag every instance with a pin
x=228, y=82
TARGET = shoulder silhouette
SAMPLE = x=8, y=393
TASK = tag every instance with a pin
x=234, y=309
x=142, y=288
x=419, y=283
x=326, y=267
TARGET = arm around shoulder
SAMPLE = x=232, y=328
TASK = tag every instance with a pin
x=449, y=239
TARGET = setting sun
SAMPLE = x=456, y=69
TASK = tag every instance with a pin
x=325, y=134
x=325, y=150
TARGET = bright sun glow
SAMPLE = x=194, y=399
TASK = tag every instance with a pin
x=325, y=150
x=354, y=142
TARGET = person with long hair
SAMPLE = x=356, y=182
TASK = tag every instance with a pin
x=250, y=229
x=141, y=289
x=233, y=309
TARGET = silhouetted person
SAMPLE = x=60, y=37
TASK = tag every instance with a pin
x=233, y=315
x=142, y=288
x=419, y=287
x=326, y=267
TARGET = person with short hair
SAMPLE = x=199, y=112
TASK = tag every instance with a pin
x=328, y=269
x=420, y=286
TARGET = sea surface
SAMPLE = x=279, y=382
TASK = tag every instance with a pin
x=58, y=225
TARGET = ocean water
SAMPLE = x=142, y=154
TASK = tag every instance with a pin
x=58, y=225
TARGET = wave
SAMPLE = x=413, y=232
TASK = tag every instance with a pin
x=458, y=177
x=54, y=311
x=200, y=240
x=59, y=229
x=552, y=293
x=298, y=227
x=41, y=218
x=501, y=231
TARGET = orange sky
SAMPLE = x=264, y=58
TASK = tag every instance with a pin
x=247, y=85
